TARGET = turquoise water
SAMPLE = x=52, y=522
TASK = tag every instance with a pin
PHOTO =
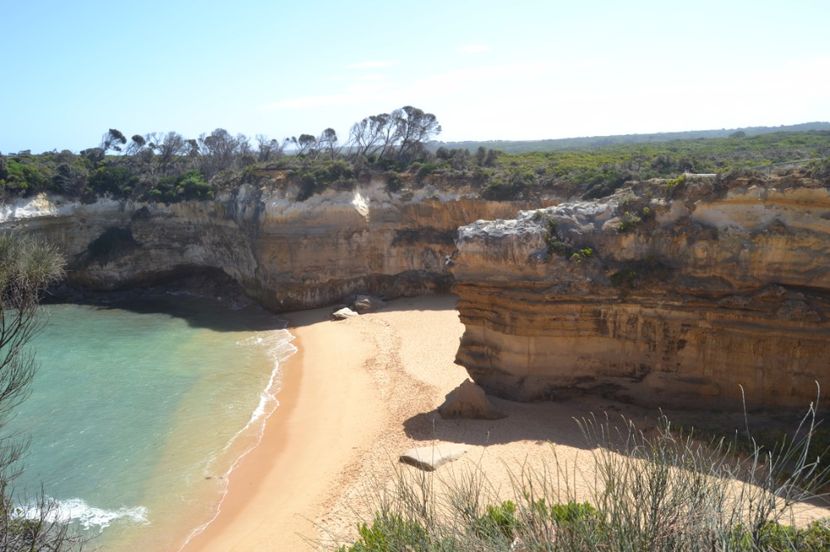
x=137, y=414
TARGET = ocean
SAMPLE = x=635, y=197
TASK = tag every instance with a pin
x=139, y=411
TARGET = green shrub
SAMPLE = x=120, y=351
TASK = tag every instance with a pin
x=190, y=185
x=425, y=170
x=319, y=176
x=114, y=180
x=582, y=254
x=390, y=533
x=572, y=512
x=497, y=522
x=516, y=186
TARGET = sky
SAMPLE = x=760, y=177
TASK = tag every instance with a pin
x=510, y=70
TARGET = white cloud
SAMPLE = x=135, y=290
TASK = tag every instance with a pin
x=372, y=64
x=474, y=48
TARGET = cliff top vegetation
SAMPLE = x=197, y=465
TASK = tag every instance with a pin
x=168, y=167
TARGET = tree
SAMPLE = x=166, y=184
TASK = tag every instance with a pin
x=406, y=130
x=305, y=144
x=137, y=142
x=27, y=268
x=415, y=128
x=113, y=140
x=327, y=142
x=218, y=150
x=367, y=136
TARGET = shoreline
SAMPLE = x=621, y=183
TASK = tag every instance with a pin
x=355, y=395
x=305, y=444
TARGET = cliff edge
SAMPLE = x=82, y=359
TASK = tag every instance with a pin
x=284, y=253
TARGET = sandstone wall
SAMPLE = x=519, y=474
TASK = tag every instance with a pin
x=286, y=254
x=717, y=286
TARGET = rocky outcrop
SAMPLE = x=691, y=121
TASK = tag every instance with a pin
x=287, y=254
x=675, y=293
x=468, y=400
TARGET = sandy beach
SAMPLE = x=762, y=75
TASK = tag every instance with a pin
x=357, y=394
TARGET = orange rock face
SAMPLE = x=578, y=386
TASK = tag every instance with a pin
x=674, y=295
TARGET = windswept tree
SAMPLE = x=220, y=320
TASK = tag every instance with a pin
x=137, y=142
x=401, y=134
x=305, y=144
x=113, y=140
x=415, y=128
x=369, y=135
x=27, y=268
x=327, y=143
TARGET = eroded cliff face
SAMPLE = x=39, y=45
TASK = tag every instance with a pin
x=284, y=253
x=670, y=293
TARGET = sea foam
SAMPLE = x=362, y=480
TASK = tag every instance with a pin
x=76, y=510
x=278, y=344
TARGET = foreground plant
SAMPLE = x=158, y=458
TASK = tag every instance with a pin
x=27, y=268
x=662, y=490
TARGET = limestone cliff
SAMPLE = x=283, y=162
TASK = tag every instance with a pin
x=287, y=254
x=669, y=292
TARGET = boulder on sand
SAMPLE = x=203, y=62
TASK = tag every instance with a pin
x=366, y=303
x=431, y=458
x=343, y=314
x=468, y=400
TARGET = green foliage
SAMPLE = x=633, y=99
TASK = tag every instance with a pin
x=629, y=222
x=582, y=254
x=390, y=533
x=190, y=185
x=156, y=163
x=635, y=212
x=317, y=177
x=603, y=182
x=514, y=186
x=573, y=512
x=113, y=180
x=772, y=536
x=498, y=521
x=674, y=184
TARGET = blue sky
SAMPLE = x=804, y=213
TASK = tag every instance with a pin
x=488, y=70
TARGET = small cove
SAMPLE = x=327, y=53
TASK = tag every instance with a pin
x=139, y=410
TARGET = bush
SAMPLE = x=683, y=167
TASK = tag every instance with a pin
x=516, y=186
x=498, y=522
x=318, y=177
x=388, y=533
x=114, y=180
x=190, y=185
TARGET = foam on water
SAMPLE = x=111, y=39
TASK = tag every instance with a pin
x=138, y=418
x=279, y=346
x=78, y=511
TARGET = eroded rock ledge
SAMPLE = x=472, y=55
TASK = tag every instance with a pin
x=671, y=292
x=284, y=253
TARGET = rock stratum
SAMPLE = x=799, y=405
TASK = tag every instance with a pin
x=286, y=254
x=677, y=293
